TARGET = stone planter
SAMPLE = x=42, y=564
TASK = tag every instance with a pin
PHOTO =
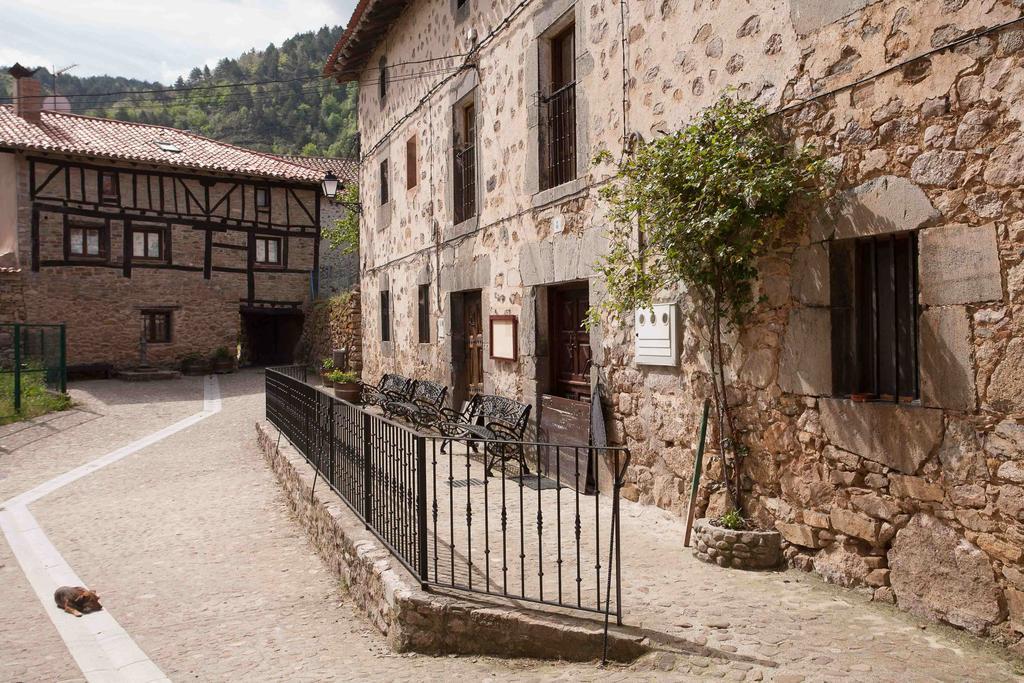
x=347, y=391
x=223, y=365
x=328, y=384
x=736, y=549
x=199, y=366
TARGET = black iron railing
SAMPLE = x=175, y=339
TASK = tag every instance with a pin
x=559, y=136
x=464, y=167
x=549, y=535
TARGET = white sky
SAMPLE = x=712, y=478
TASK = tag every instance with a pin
x=152, y=39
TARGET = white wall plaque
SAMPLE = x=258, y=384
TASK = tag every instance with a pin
x=657, y=335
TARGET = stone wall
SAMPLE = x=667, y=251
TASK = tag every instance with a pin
x=12, y=296
x=333, y=324
x=338, y=272
x=413, y=619
x=922, y=504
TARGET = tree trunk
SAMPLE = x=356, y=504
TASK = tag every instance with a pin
x=726, y=431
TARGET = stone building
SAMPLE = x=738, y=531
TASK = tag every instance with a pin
x=889, y=456
x=129, y=232
x=339, y=272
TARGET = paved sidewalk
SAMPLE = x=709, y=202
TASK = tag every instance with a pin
x=194, y=552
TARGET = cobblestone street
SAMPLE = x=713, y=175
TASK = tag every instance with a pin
x=193, y=551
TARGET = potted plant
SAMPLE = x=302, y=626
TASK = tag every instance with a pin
x=194, y=364
x=729, y=541
x=326, y=368
x=346, y=385
x=223, y=360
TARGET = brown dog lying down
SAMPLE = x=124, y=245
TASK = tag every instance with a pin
x=77, y=600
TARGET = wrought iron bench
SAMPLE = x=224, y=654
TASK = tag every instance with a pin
x=498, y=420
x=421, y=404
x=390, y=388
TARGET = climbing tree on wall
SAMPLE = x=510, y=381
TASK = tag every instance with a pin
x=700, y=206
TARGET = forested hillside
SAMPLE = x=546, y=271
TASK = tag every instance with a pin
x=298, y=113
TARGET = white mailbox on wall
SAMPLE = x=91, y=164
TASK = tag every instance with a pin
x=657, y=335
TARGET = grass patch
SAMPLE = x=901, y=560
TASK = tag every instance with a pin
x=36, y=400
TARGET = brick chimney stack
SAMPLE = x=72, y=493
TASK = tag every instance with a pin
x=28, y=98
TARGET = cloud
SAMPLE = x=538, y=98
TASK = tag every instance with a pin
x=153, y=40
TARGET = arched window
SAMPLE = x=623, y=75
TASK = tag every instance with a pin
x=382, y=78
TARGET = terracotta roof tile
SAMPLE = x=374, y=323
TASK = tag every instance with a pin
x=347, y=170
x=85, y=135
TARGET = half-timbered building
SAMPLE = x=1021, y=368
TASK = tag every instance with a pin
x=150, y=239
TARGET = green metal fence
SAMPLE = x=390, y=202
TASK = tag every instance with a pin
x=33, y=360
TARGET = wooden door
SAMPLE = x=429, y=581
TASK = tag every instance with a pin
x=473, y=327
x=570, y=343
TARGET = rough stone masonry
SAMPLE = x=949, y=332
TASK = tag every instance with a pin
x=918, y=105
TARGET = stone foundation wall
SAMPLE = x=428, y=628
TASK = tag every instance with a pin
x=12, y=296
x=411, y=618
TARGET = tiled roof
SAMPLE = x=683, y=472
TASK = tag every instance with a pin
x=347, y=170
x=368, y=24
x=107, y=138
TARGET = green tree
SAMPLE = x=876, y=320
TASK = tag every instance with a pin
x=701, y=206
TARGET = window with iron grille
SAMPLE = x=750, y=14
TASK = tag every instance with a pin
x=382, y=79
x=385, y=315
x=875, y=318
x=464, y=162
x=558, y=100
x=156, y=326
x=423, y=313
x=86, y=240
x=149, y=243
x=384, y=189
x=410, y=163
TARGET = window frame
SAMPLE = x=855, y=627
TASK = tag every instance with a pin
x=423, y=313
x=382, y=80
x=558, y=158
x=279, y=263
x=264, y=207
x=385, y=182
x=103, y=240
x=411, y=170
x=385, y=315
x=164, y=244
x=114, y=195
x=885, y=308
x=465, y=127
x=149, y=316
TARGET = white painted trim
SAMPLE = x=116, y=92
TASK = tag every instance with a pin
x=102, y=649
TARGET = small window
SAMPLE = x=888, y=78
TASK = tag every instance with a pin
x=874, y=318
x=385, y=315
x=464, y=161
x=262, y=199
x=156, y=326
x=86, y=241
x=169, y=147
x=384, y=194
x=382, y=79
x=459, y=4
x=558, y=117
x=410, y=162
x=423, y=313
x=110, y=189
x=148, y=243
x=268, y=250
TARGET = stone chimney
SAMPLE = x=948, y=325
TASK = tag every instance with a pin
x=28, y=97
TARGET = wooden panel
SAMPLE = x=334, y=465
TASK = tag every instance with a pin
x=566, y=422
x=571, y=344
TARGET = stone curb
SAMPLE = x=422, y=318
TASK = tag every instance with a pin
x=410, y=618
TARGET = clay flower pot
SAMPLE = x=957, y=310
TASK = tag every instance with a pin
x=347, y=391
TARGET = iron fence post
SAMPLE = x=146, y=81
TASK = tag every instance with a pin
x=17, y=368
x=63, y=360
x=367, y=478
x=421, y=508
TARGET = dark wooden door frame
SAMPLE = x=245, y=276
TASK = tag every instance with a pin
x=467, y=345
x=570, y=352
